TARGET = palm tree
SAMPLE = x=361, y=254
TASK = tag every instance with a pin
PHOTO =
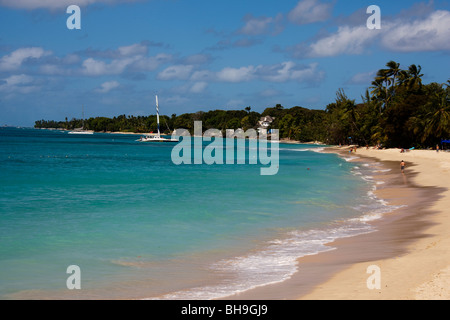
x=438, y=124
x=378, y=134
x=414, y=77
x=384, y=76
x=380, y=86
x=377, y=89
x=350, y=114
x=393, y=71
x=371, y=102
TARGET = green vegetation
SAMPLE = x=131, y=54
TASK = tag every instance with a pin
x=397, y=110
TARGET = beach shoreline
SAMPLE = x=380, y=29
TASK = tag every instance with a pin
x=409, y=245
x=420, y=271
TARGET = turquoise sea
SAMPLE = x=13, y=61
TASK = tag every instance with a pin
x=138, y=226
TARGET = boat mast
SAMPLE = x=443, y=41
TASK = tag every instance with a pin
x=82, y=115
x=157, y=114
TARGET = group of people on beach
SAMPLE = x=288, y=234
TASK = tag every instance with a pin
x=353, y=149
x=402, y=164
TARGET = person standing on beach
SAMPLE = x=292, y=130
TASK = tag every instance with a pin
x=402, y=166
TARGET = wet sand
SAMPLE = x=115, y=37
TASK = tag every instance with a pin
x=410, y=245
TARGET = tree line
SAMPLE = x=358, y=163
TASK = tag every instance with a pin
x=397, y=110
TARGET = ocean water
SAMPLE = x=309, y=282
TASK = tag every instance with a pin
x=140, y=227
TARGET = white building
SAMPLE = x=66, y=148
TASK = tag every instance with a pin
x=265, y=123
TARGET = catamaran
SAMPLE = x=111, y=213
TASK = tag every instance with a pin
x=81, y=130
x=156, y=137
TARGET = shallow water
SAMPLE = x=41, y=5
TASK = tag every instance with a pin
x=139, y=226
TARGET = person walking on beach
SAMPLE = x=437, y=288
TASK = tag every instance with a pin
x=402, y=166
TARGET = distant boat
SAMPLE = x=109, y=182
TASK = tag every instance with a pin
x=156, y=137
x=81, y=130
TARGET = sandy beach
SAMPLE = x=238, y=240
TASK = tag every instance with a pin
x=409, y=248
x=422, y=271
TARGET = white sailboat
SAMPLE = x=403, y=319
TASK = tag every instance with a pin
x=81, y=130
x=156, y=137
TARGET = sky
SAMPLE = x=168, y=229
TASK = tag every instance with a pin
x=200, y=55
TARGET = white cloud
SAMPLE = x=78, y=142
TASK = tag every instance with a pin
x=130, y=59
x=53, y=69
x=236, y=74
x=310, y=11
x=429, y=34
x=15, y=59
x=132, y=50
x=176, y=72
x=347, y=40
x=125, y=59
x=21, y=79
x=108, y=86
x=255, y=26
x=282, y=72
x=52, y=4
x=18, y=84
x=143, y=63
x=203, y=75
x=189, y=87
x=246, y=35
x=92, y=67
x=70, y=59
x=198, y=87
x=288, y=71
x=362, y=78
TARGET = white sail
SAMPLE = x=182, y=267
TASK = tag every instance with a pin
x=156, y=138
x=157, y=115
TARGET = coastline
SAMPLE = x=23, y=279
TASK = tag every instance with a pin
x=422, y=272
x=421, y=269
x=409, y=244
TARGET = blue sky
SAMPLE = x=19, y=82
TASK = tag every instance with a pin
x=200, y=55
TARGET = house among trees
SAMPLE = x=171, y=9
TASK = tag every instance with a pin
x=264, y=123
